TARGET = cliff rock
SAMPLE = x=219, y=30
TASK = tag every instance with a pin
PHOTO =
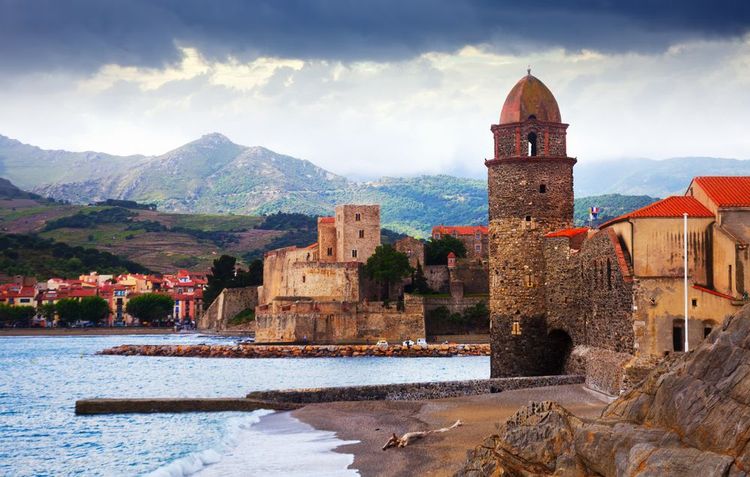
x=689, y=417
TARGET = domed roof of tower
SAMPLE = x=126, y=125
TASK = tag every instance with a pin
x=530, y=97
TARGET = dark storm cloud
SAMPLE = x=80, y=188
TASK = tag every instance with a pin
x=84, y=34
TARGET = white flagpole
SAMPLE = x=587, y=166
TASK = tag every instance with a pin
x=685, y=265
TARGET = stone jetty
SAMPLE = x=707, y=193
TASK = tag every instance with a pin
x=300, y=351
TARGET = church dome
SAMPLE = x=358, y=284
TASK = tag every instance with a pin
x=530, y=97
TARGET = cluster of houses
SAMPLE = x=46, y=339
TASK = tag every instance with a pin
x=184, y=287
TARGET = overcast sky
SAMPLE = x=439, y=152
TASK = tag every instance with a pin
x=365, y=89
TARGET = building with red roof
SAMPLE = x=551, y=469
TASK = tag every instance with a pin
x=474, y=238
x=639, y=256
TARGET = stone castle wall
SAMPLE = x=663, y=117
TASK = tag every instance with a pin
x=229, y=302
x=295, y=320
x=357, y=229
x=295, y=272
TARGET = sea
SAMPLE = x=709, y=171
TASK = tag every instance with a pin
x=41, y=377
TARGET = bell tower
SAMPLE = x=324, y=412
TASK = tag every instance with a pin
x=530, y=187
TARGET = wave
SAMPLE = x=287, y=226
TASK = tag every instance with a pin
x=276, y=445
x=193, y=463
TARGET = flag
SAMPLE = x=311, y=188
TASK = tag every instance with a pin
x=594, y=213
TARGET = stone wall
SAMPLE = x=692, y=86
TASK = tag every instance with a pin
x=299, y=320
x=357, y=229
x=411, y=391
x=412, y=248
x=229, y=302
x=293, y=271
x=473, y=274
x=438, y=277
x=521, y=212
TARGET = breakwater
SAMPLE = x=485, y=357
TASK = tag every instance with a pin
x=411, y=391
x=299, y=351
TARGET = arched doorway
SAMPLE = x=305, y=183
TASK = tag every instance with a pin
x=560, y=346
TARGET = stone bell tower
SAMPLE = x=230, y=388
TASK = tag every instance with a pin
x=530, y=186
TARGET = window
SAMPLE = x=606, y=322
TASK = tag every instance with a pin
x=303, y=279
x=357, y=216
x=329, y=251
x=695, y=302
x=543, y=189
x=25, y=300
x=528, y=218
x=354, y=253
x=436, y=236
x=528, y=280
x=361, y=234
x=707, y=330
x=532, y=143
x=478, y=248
x=515, y=328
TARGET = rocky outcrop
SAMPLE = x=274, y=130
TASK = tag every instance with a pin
x=689, y=417
x=301, y=351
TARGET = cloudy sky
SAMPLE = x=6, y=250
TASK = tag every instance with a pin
x=371, y=88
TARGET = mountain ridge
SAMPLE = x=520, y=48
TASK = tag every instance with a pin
x=212, y=174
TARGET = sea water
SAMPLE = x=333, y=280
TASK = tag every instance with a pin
x=42, y=377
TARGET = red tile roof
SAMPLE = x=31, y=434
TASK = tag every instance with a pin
x=460, y=229
x=713, y=292
x=726, y=191
x=568, y=232
x=312, y=246
x=326, y=220
x=673, y=206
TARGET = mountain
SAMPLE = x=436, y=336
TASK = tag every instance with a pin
x=650, y=177
x=9, y=191
x=214, y=175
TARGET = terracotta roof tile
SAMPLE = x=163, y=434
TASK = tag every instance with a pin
x=326, y=220
x=726, y=191
x=673, y=206
x=568, y=232
x=714, y=292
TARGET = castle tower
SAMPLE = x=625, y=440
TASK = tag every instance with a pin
x=530, y=186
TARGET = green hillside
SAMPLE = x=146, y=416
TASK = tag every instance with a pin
x=29, y=255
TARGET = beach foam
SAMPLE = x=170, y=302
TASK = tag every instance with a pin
x=266, y=443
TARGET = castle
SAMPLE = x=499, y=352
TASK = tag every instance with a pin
x=563, y=298
x=320, y=294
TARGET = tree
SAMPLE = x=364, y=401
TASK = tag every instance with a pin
x=386, y=266
x=419, y=281
x=436, y=251
x=47, y=311
x=16, y=315
x=94, y=309
x=69, y=311
x=150, y=307
x=222, y=274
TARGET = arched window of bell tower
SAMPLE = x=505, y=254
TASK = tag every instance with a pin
x=532, y=143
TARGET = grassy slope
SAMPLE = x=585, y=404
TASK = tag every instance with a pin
x=160, y=251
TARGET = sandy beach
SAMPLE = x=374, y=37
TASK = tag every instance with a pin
x=372, y=422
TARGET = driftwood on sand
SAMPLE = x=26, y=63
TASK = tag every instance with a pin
x=410, y=437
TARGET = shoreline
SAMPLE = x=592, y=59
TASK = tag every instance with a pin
x=88, y=331
x=372, y=422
